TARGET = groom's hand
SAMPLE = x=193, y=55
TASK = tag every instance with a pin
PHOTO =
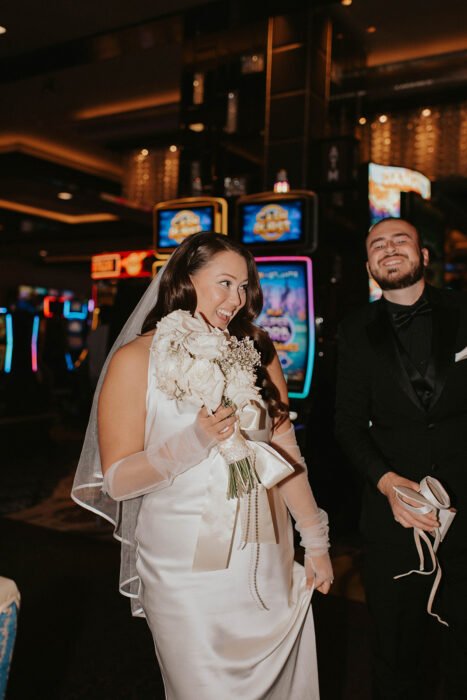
x=403, y=516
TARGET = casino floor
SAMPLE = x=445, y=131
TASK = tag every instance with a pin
x=76, y=638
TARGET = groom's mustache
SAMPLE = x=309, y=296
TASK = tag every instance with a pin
x=394, y=255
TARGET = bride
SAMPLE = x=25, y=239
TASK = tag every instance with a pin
x=229, y=612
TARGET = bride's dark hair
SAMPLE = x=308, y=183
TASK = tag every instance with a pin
x=176, y=291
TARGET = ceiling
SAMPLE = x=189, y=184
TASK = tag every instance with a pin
x=407, y=30
x=81, y=82
x=32, y=25
x=403, y=29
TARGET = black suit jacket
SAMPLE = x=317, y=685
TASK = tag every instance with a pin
x=382, y=424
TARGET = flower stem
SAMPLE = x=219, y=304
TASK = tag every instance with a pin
x=242, y=478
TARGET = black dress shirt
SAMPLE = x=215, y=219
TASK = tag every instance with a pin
x=416, y=335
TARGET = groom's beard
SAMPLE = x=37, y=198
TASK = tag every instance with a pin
x=407, y=280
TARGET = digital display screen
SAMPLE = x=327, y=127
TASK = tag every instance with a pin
x=375, y=290
x=385, y=184
x=174, y=225
x=122, y=265
x=288, y=317
x=278, y=221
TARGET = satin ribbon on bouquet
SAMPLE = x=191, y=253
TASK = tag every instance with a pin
x=220, y=515
x=431, y=497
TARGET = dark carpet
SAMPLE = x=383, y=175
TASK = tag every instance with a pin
x=77, y=639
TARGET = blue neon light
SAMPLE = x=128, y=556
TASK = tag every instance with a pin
x=69, y=362
x=68, y=313
x=9, y=343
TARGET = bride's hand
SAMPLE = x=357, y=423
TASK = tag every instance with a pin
x=318, y=571
x=218, y=426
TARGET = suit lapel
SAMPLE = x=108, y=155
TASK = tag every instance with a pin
x=382, y=339
x=445, y=325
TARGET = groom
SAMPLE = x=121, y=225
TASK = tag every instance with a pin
x=402, y=415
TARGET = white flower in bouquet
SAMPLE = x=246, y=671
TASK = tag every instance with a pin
x=210, y=346
x=205, y=383
x=239, y=390
x=207, y=367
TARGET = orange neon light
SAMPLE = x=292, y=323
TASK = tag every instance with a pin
x=128, y=263
x=46, y=304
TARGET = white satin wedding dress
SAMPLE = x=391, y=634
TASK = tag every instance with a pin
x=213, y=638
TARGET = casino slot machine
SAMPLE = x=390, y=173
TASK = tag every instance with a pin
x=385, y=183
x=385, y=189
x=66, y=325
x=177, y=219
x=119, y=279
x=431, y=224
x=25, y=330
x=281, y=231
x=21, y=385
x=76, y=313
x=6, y=340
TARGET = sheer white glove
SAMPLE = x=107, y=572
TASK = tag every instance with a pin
x=156, y=468
x=310, y=521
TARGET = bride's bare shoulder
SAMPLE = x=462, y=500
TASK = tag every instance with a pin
x=134, y=356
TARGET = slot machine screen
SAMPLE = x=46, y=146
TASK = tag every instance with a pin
x=430, y=223
x=385, y=184
x=174, y=225
x=2, y=340
x=375, y=291
x=274, y=222
x=288, y=317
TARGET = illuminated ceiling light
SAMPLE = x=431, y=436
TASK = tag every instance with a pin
x=56, y=153
x=173, y=148
x=2, y=30
x=371, y=29
x=426, y=112
x=144, y=152
x=197, y=126
x=362, y=121
x=55, y=215
x=383, y=118
x=346, y=3
x=65, y=196
x=133, y=105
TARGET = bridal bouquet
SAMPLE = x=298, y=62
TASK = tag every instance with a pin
x=208, y=367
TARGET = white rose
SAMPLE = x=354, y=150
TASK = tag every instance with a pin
x=171, y=370
x=172, y=323
x=162, y=347
x=167, y=374
x=193, y=324
x=205, y=382
x=209, y=346
x=240, y=388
